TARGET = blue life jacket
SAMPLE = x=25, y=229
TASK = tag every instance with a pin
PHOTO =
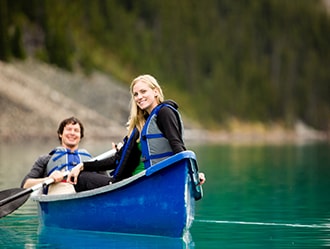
x=155, y=147
x=63, y=158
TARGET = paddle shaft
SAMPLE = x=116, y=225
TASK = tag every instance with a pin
x=26, y=191
x=15, y=196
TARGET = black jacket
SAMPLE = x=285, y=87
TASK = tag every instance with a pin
x=167, y=122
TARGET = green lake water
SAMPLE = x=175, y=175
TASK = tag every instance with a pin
x=257, y=196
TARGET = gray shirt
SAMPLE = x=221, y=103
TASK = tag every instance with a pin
x=39, y=168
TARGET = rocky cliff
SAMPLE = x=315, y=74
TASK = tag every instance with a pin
x=35, y=97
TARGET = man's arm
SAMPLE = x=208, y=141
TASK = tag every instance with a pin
x=37, y=173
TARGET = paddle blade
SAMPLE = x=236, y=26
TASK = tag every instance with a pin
x=11, y=199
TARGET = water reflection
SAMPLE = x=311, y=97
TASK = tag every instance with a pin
x=231, y=234
x=65, y=238
x=264, y=197
x=19, y=229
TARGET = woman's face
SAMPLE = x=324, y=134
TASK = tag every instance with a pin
x=144, y=96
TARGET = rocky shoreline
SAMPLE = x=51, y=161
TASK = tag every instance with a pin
x=35, y=97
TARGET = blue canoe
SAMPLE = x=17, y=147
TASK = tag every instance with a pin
x=158, y=201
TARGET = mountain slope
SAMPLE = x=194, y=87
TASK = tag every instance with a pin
x=35, y=97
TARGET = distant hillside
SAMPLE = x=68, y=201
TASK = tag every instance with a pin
x=35, y=97
x=258, y=61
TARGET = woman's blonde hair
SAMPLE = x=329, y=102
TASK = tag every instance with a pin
x=137, y=115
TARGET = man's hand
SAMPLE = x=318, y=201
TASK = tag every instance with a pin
x=57, y=176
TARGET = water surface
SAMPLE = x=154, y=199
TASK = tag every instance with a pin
x=255, y=197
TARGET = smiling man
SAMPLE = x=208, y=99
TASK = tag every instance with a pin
x=62, y=158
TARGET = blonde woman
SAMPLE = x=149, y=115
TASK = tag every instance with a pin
x=154, y=133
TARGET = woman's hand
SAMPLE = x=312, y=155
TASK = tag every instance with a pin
x=117, y=146
x=74, y=173
x=202, y=178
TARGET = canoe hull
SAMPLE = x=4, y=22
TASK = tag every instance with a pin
x=160, y=202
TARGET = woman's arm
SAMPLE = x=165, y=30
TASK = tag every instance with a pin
x=169, y=124
x=97, y=165
x=100, y=165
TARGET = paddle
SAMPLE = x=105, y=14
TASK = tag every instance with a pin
x=16, y=197
x=12, y=199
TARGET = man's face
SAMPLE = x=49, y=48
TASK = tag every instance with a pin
x=71, y=136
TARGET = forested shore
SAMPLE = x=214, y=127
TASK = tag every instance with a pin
x=263, y=61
